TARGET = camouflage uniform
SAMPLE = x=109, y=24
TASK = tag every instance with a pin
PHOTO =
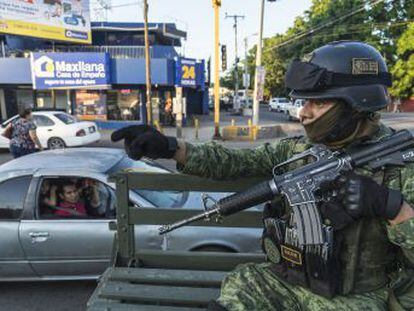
x=255, y=286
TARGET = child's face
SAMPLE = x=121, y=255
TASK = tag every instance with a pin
x=70, y=194
x=45, y=187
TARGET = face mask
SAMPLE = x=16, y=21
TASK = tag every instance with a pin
x=322, y=127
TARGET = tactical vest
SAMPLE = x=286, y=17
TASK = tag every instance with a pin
x=365, y=256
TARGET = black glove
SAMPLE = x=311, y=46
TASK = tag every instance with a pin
x=352, y=196
x=145, y=141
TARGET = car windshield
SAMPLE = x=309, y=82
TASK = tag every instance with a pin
x=65, y=118
x=158, y=198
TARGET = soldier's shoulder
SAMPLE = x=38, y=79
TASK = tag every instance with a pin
x=295, y=139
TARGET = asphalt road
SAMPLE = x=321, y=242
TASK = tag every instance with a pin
x=65, y=296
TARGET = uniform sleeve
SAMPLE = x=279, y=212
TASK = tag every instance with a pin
x=215, y=161
x=403, y=233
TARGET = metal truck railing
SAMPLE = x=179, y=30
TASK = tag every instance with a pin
x=142, y=279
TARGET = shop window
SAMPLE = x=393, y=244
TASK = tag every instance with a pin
x=24, y=99
x=44, y=100
x=91, y=105
x=123, y=105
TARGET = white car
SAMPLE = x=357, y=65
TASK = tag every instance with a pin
x=278, y=104
x=57, y=129
x=293, y=110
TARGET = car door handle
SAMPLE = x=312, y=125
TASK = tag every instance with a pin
x=39, y=234
x=49, y=130
x=38, y=237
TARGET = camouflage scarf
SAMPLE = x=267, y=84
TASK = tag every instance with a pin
x=340, y=126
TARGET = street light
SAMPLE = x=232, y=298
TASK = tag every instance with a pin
x=259, y=72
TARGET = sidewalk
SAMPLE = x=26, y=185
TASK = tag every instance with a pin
x=206, y=130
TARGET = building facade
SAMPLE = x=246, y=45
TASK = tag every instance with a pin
x=122, y=97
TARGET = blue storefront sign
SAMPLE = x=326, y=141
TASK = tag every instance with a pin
x=70, y=70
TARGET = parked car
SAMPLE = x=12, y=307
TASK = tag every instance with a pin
x=226, y=103
x=38, y=244
x=57, y=129
x=293, y=110
x=278, y=104
x=246, y=102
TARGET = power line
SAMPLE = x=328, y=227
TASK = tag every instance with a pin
x=329, y=23
x=363, y=28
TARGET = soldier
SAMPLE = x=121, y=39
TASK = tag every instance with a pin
x=368, y=215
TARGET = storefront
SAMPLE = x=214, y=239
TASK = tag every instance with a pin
x=114, y=91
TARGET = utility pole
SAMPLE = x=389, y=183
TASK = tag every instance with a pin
x=147, y=66
x=236, y=105
x=216, y=5
x=259, y=72
x=246, y=73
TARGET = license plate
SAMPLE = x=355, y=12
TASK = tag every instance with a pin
x=92, y=129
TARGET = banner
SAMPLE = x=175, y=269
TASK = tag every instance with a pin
x=260, y=78
x=70, y=70
x=186, y=72
x=61, y=20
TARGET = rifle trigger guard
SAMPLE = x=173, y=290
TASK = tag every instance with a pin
x=205, y=198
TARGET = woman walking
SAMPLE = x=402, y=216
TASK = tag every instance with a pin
x=23, y=135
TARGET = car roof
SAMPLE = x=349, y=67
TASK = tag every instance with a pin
x=48, y=112
x=99, y=160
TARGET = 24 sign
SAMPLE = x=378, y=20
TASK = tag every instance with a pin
x=186, y=72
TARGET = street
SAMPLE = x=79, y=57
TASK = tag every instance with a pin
x=35, y=296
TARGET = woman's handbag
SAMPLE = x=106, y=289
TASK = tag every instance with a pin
x=8, y=131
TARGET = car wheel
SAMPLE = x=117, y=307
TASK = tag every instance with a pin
x=214, y=248
x=56, y=143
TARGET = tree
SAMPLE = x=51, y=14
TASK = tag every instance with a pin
x=381, y=25
x=403, y=70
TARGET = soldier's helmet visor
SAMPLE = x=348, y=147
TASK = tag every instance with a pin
x=305, y=76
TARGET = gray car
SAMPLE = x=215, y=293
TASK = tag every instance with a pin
x=47, y=243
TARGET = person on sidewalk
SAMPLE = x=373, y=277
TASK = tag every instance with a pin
x=23, y=139
x=370, y=213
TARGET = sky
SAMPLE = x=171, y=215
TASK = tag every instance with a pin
x=197, y=18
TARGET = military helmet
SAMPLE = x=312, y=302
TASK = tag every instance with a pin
x=349, y=70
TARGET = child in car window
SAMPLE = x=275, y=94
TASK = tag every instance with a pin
x=71, y=204
x=48, y=197
x=93, y=194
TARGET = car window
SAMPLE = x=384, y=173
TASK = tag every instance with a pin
x=65, y=118
x=12, y=195
x=158, y=198
x=40, y=121
x=283, y=100
x=79, y=198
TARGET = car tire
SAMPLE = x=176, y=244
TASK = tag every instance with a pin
x=214, y=248
x=56, y=143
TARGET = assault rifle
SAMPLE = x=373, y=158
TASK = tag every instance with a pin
x=298, y=186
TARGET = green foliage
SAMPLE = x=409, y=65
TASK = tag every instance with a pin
x=403, y=70
x=384, y=26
